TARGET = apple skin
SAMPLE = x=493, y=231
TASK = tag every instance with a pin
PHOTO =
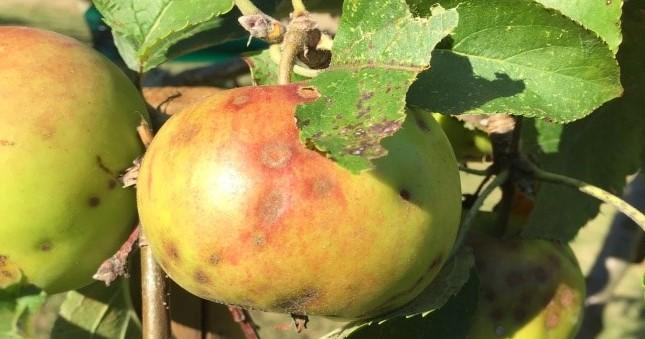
x=529, y=289
x=237, y=210
x=468, y=144
x=68, y=120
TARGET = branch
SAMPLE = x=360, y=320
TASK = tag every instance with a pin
x=473, y=171
x=243, y=318
x=116, y=265
x=154, y=308
x=296, y=40
x=259, y=24
x=594, y=191
x=620, y=249
x=468, y=219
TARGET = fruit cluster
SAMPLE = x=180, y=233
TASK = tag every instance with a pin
x=237, y=209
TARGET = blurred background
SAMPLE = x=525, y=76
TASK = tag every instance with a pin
x=622, y=318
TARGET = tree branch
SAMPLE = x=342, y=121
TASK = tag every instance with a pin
x=594, y=191
x=469, y=218
x=116, y=265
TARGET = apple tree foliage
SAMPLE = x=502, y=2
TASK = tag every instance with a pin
x=573, y=70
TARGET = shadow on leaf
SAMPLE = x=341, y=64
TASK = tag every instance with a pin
x=451, y=87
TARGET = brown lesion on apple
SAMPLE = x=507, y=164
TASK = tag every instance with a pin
x=5, y=142
x=422, y=124
x=201, y=277
x=9, y=272
x=214, y=259
x=272, y=206
x=297, y=302
x=93, y=201
x=46, y=245
x=240, y=100
x=276, y=155
x=171, y=250
x=111, y=184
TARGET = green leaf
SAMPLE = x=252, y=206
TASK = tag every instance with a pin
x=17, y=304
x=97, y=311
x=450, y=280
x=452, y=321
x=144, y=30
x=601, y=149
x=517, y=57
x=601, y=17
x=378, y=51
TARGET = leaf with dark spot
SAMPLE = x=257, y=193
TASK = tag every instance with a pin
x=378, y=52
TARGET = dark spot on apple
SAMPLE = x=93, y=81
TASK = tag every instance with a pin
x=272, y=206
x=297, y=302
x=259, y=240
x=321, y=186
x=201, y=277
x=553, y=260
x=496, y=315
x=422, y=124
x=171, y=250
x=3, y=260
x=540, y=274
x=405, y=194
x=93, y=201
x=552, y=317
x=4, y=142
x=111, y=184
x=45, y=245
x=566, y=296
x=514, y=278
x=489, y=294
x=214, y=259
x=6, y=274
x=276, y=155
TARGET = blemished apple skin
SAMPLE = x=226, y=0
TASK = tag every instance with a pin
x=238, y=210
x=68, y=120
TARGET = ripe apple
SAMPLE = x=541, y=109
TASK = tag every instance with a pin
x=68, y=121
x=238, y=210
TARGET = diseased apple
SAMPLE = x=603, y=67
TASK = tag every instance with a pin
x=68, y=121
x=237, y=210
x=529, y=289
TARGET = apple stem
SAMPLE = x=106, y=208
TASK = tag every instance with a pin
x=589, y=189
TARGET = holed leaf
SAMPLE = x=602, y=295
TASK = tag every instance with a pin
x=378, y=51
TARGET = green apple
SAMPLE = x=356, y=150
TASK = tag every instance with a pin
x=68, y=121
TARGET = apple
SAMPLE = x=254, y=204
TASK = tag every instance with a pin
x=238, y=210
x=68, y=120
